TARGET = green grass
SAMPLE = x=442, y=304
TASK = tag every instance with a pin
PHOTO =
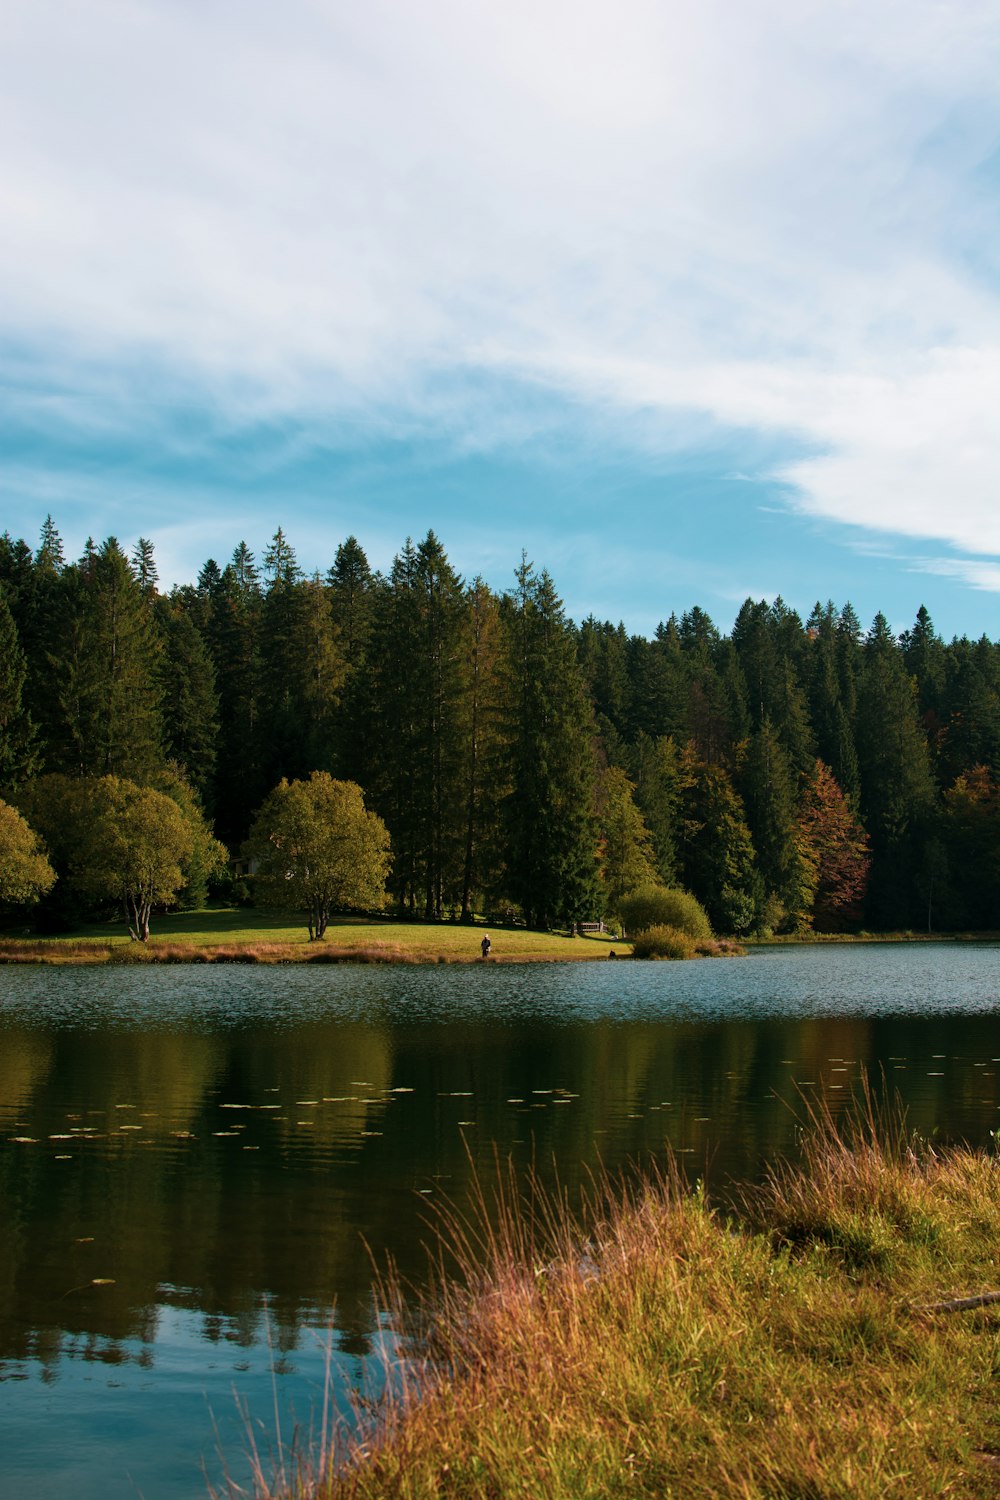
x=657, y=1348
x=244, y=934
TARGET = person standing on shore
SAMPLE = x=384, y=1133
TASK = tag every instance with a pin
x=486, y=945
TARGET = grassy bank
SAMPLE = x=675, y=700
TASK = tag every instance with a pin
x=808, y=1352
x=242, y=935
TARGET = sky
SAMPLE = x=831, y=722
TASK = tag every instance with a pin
x=690, y=300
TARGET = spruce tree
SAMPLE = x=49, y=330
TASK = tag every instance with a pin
x=897, y=792
x=106, y=671
x=548, y=812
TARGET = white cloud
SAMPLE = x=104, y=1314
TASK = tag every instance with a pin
x=773, y=214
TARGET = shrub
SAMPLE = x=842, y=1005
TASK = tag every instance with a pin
x=663, y=942
x=658, y=906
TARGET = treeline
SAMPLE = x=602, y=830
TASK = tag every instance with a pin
x=789, y=774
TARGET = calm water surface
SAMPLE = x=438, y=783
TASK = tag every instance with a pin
x=193, y=1160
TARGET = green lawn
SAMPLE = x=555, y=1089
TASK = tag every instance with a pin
x=274, y=937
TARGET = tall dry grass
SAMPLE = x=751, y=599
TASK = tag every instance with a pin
x=649, y=1345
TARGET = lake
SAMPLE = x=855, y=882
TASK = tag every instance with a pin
x=200, y=1165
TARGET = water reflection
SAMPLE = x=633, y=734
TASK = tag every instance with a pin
x=178, y=1149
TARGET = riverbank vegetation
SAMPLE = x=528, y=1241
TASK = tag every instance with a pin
x=792, y=775
x=837, y=1337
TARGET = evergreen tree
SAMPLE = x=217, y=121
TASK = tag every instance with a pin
x=280, y=565
x=106, y=671
x=420, y=708
x=548, y=812
x=301, y=674
x=626, y=845
x=234, y=644
x=393, y=713
x=717, y=852
x=897, y=791
x=144, y=567
x=18, y=750
x=831, y=724
x=660, y=773
x=190, y=703
x=482, y=768
x=767, y=782
x=352, y=588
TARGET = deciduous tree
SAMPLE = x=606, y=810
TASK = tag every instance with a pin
x=319, y=850
x=25, y=873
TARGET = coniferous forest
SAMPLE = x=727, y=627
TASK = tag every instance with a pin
x=792, y=774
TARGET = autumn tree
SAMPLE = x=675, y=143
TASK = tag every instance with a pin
x=835, y=849
x=319, y=850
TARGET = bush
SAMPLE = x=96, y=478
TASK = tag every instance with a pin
x=662, y=942
x=657, y=906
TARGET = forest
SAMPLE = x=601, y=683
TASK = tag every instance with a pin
x=792, y=774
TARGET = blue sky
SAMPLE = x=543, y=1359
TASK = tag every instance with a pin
x=692, y=300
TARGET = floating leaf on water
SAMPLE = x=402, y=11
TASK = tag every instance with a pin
x=102, y=1281
x=62, y=1157
x=251, y=1148
x=515, y=1101
x=467, y=1122
x=24, y=1140
x=401, y=1091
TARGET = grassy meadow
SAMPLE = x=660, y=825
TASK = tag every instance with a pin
x=250, y=935
x=814, y=1347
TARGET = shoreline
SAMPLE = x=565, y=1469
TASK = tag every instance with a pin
x=836, y=1337
x=202, y=938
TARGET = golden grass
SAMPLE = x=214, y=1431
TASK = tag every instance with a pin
x=656, y=1348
